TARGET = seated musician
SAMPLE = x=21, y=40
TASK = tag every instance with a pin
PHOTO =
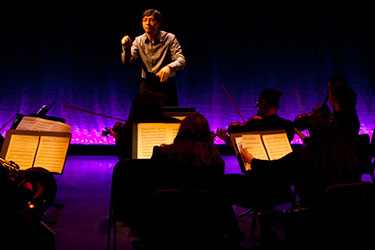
x=266, y=191
x=145, y=108
x=328, y=158
x=342, y=100
x=191, y=162
x=266, y=119
x=193, y=149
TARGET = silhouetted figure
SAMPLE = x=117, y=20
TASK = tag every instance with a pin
x=328, y=158
x=266, y=118
x=194, y=152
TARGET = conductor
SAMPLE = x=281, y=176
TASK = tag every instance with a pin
x=161, y=56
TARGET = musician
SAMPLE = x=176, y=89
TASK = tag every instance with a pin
x=327, y=159
x=342, y=100
x=190, y=162
x=330, y=156
x=161, y=56
x=194, y=152
x=192, y=146
x=266, y=118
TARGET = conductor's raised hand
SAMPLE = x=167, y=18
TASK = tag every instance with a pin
x=164, y=73
x=126, y=41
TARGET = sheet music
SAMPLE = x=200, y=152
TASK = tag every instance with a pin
x=254, y=145
x=60, y=127
x=36, y=149
x=154, y=134
x=277, y=145
x=40, y=124
x=21, y=150
x=51, y=153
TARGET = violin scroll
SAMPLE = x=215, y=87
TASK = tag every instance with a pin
x=114, y=131
x=222, y=134
x=318, y=109
x=301, y=121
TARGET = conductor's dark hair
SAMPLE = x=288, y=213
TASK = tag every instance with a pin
x=156, y=14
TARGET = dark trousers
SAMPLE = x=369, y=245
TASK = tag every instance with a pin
x=165, y=91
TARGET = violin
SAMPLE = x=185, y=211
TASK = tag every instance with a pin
x=114, y=131
x=223, y=133
x=318, y=109
x=301, y=121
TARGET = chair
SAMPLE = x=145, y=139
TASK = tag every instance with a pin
x=141, y=187
x=127, y=176
x=348, y=214
x=366, y=152
x=264, y=205
x=343, y=218
x=181, y=219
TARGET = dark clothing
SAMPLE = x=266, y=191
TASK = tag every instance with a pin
x=271, y=122
x=192, y=154
x=348, y=126
x=294, y=169
x=348, y=122
x=166, y=50
x=203, y=168
x=328, y=158
x=145, y=108
x=198, y=164
x=264, y=187
x=166, y=91
x=263, y=191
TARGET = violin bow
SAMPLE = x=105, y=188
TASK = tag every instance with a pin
x=93, y=113
x=299, y=101
x=230, y=98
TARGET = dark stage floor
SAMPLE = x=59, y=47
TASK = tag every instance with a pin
x=84, y=192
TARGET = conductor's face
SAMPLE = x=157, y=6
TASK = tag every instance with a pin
x=150, y=25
